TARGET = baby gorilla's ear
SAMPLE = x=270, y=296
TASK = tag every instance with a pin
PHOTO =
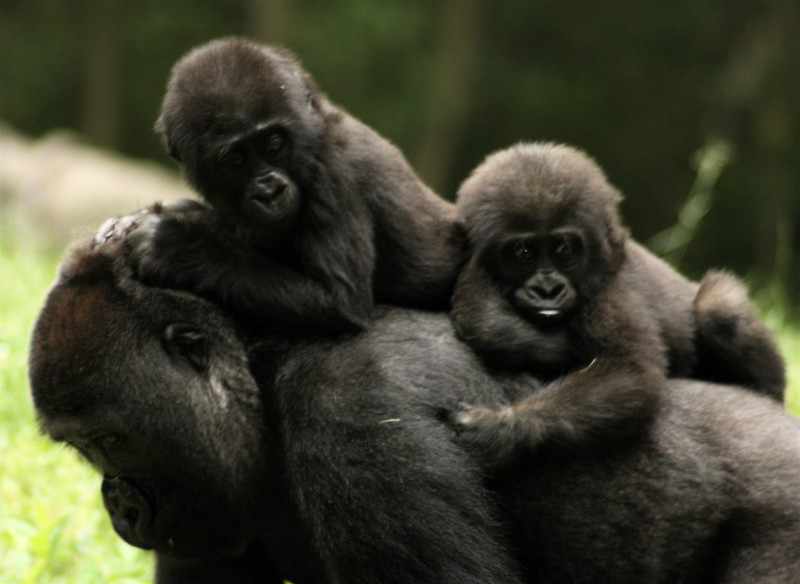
x=173, y=152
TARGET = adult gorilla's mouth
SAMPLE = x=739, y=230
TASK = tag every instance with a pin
x=145, y=520
x=132, y=511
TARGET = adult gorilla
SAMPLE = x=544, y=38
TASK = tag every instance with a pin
x=319, y=483
x=340, y=470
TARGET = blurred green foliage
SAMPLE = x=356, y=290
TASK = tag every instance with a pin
x=640, y=84
x=53, y=527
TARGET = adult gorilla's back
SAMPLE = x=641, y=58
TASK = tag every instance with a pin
x=345, y=468
x=708, y=493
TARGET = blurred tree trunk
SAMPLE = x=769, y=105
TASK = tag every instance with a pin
x=775, y=118
x=760, y=110
x=100, y=117
x=268, y=20
x=450, y=101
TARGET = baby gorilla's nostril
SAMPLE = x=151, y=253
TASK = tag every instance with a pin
x=548, y=291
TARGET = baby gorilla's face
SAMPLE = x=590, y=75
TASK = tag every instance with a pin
x=538, y=269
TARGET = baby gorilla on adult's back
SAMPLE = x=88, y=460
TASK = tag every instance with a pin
x=317, y=212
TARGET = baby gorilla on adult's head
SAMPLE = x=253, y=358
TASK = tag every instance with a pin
x=233, y=116
x=153, y=390
x=318, y=214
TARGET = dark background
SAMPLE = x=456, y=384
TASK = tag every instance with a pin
x=641, y=85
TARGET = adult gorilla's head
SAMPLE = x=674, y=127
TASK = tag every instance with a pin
x=152, y=388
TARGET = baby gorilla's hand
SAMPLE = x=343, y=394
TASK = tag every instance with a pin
x=489, y=432
x=145, y=251
x=161, y=241
x=117, y=229
x=121, y=228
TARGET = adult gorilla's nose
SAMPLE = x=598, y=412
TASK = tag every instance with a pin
x=130, y=510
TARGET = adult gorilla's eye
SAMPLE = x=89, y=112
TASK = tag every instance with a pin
x=102, y=440
x=275, y=144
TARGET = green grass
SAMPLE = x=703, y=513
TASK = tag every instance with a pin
x=52, y=525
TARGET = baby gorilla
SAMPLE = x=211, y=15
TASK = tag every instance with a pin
x=317, y=213
x=556, y=286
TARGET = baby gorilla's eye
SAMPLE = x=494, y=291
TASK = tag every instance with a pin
x=274, y=145
x=524, y=252
x=231, y=159
x=566, y=252
x=563, y=251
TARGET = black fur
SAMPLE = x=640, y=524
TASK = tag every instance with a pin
x=341, y=469
x=319, y=212
x=345, y=485
x=555, y=286
x=733, y=345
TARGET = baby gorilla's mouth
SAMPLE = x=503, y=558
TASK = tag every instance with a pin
x=549, y=313
x=266, y=202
